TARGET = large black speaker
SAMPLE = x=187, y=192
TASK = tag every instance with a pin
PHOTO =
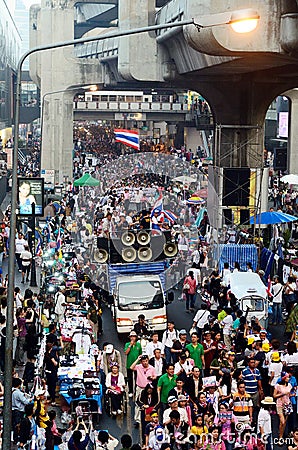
x=101, y=253
x=103, y=242
x=280, y=158
x=244, y=216
x=115, y=255
x=228, y=216
x=236, y=186
x=143, y=249
x=157, y=245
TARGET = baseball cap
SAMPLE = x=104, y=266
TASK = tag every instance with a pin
x=183, y=331
x=132, y=333
x=250, y=340
x=109, y=348
x=172, y=399
x=144, y=357
x=275, y=357
x=266, y=347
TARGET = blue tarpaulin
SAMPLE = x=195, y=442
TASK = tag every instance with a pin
x=231, y=253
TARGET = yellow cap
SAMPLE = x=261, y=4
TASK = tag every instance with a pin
x=250, y=340
x=266, y=347
x=275, y=357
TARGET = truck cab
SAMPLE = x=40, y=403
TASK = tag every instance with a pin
x=136, y=294
x=251, y=294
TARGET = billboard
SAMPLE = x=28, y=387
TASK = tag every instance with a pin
x=283, y=120
x=30, y=190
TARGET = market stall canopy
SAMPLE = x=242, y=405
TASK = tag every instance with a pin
x=290, y=179
x=86, y=180
x=271, y=217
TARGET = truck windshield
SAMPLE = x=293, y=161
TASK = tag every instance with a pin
x=140, y=295
x=253, y=303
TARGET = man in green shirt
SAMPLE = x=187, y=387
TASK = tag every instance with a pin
x=133, y=350
x=165, y=383
x=196, y=351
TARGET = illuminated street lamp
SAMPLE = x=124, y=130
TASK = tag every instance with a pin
x=244, y=20
x=241, y=21
x=200, y=23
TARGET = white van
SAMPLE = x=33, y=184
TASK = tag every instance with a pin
x=139, y=294
x=251, y=294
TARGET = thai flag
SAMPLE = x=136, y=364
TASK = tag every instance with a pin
x=268, y=289
x=158, y=206
x=59, y=242
x=128, y=137
x=38, y=250
x=172, y=218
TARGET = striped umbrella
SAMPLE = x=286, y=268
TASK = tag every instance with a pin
x=195, y=201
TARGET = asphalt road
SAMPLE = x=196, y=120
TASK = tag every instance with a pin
x=176, y=311
x=125, y=424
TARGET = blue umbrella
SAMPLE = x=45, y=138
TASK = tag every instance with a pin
x=271, y=217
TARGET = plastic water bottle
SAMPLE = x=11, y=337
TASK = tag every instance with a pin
x=33, y=442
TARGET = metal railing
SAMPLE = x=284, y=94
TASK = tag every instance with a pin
x=131, y=106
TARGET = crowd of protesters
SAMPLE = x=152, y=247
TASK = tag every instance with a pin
x=223, y=384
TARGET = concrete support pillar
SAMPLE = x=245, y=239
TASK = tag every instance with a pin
x=293, y=132
x=141, y=47
x=56, y=65
x=57, y=135
x=239, y=106
x=57, y=73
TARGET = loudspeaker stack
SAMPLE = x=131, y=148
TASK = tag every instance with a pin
x=135, y=247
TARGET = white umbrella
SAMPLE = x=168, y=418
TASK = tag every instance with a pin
x=290, y=179
x=184, y=179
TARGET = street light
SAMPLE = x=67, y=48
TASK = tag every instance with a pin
x=244, y=21
x=6, y=442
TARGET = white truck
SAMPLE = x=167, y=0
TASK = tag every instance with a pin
x=138, y=289
x=251, y=294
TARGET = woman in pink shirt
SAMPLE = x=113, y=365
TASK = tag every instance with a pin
x=282, y=395
x=189, y=287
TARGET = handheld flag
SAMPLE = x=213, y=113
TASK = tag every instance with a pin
x=128, y=137
x=170, y=216
x=38, y=249
x=158, y=206
x=268, y=289
x=58, y=245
